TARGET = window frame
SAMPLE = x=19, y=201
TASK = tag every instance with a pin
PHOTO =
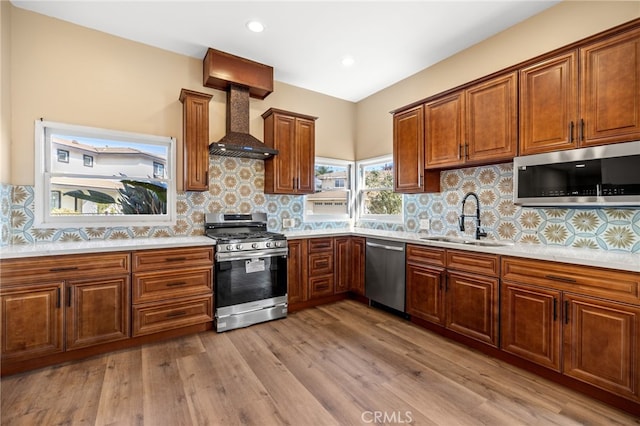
x=347, y=217
x=360, y=189
x=43, y=176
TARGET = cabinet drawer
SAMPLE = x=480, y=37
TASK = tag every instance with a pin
x=320, y=263
x=608, y=283
x=321, y=286
x=320, y=244
x=425, y=255
x=486, y=264
x=74, y=266
x=155, y=317
x=154, y=260
x=152, y=286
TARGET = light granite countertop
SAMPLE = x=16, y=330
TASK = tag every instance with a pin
x=578, y=256
x=588, y=257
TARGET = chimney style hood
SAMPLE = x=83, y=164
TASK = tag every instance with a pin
x=241, y=79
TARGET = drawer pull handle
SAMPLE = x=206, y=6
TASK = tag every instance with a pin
x=176, y=284
x=566, y=312
x=557, y=278
x=176, y=259
x=176, y=314
x=67, y=268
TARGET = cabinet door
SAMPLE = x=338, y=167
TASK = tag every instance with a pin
x=549, y=105
x=357, y=265
x=297, y=271
x=601, y=344
x=284, y=164
x=472, y=306
x=305, y=159
x=32, y=321
x=425, y=293
x=610, y=90
x=343, y=264
x=98, y=311
x=408, y=150
x=195, y=139
x=531, y=323
x=444, y=131
x=492, y=120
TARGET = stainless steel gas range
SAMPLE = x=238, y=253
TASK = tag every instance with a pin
x=250, y=280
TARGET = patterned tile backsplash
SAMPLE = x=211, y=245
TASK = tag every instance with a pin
x=237, y=185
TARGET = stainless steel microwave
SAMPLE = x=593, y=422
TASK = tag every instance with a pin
x=607, y=175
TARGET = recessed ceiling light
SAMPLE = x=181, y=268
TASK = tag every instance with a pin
x=348, y=61
x=255, y=26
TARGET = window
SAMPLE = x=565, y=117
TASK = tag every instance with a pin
x=63, y=156
x=376, y=199
x=332, y=199
x=95, y=177
x=158, y=170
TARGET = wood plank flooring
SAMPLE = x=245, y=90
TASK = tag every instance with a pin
x=338, y=364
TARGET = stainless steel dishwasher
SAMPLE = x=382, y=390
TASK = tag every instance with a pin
x=385, y=272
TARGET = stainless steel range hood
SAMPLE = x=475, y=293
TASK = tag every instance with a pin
x=241, y=78
x=238, y=142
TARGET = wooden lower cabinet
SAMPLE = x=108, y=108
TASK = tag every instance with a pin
x=472, y=306
x=56, y=304
x=425, y=292
x=531, y=326
x=297, y=271
x=172, y=288
x=32, y=321
x=98, y=311
x=583, y=336
x=357, y=264
x=601, y=344
x=455, y=289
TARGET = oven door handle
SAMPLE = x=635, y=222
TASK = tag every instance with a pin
x=228, y=257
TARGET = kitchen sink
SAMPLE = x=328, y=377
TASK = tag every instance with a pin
x=455, y=240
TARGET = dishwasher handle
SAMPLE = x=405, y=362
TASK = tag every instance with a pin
x=386, y=247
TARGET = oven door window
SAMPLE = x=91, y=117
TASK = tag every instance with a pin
x=249, y=280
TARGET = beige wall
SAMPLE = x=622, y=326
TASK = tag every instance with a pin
x=67, y=73
x=560, y=25
x=5, y=91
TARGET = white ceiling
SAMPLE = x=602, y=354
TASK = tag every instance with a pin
x=305, y=41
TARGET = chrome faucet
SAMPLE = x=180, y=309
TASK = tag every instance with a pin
x=479, y=231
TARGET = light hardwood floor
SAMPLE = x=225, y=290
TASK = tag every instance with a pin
x=339, y=364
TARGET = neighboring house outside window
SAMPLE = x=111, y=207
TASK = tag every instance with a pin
x=104, y=176
x=333, y=197
x=376, y=199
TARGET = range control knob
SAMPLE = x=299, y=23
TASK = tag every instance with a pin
x=239, y=247
x=229, y=247
x=268, y=244
x=254, y=245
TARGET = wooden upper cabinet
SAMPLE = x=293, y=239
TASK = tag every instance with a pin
x=478, y=125
x=291, y=171
x=584, y=97
x=610, y=90
x=444, y=131
x=408, y=150
x=195, y=139
x=549, y=105
x=492, y=120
